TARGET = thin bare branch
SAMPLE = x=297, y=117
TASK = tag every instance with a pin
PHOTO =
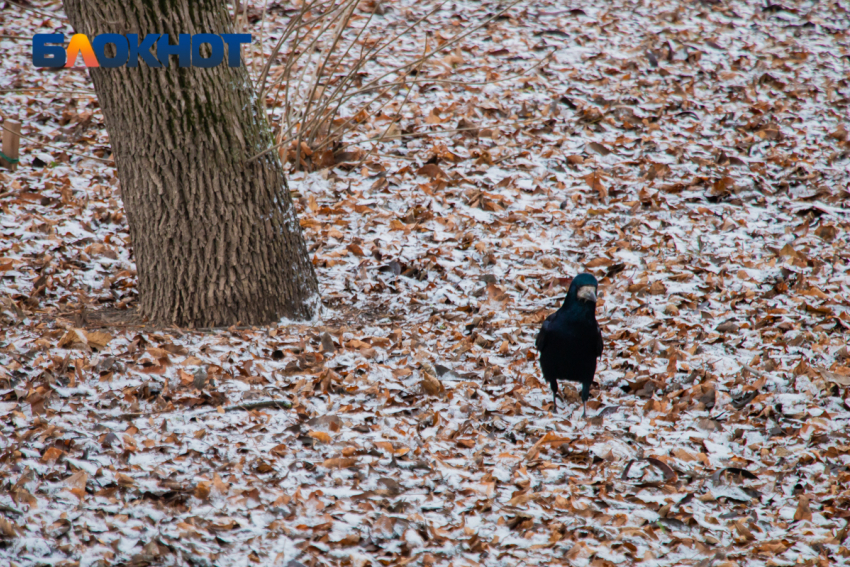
x=291, y=27
x=448, y=44
x=58, y=148
x=397, y=116
x=464, y=83
x=314, y=98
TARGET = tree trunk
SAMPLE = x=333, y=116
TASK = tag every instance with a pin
x=216, y=238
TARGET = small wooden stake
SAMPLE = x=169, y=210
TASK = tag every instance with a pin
x=11, y=144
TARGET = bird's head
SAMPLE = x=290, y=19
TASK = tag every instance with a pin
x=583, y=290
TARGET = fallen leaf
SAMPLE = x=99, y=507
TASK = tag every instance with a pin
x=431, y=385
x=594, y=181
x=51, y=455
x=98, y=339
x=8, y=530
x=339, y=463
x=320, y=436
x=433, y=171
x=803, y=511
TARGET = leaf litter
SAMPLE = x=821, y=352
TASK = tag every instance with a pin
x=693, y=156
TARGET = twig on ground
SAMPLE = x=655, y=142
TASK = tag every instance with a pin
x=60, y=149
x=38, y=90
x=248, y=406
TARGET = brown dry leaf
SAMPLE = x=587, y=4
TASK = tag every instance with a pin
x=433, y=171
x=594, y=181
x=386, y=446
x=722, y=185
x=788, y=251
x=525, y=498
x=819, y=309
x=669, y=474
x=124, y=480
x=8, y=530
x=431, y=385
x=339, y=463
x=599, y=148
x=355, y=249
x=74, y=338
x=684, y=455
x=839, y=133
x=578, y=551
x=51, y=455
x=658, y=288
x=77, y=480
x=349, y=540
x=78, y=338
x=220, y=486
x=497, y=294
x=826, y=232
x=654, y=406
x=98, y=339
x=23, y=496
x=453, y=59
x=320, y=436
x=548, y=439
x=202, y=490
x=157, y=353
x=770, y=132
x=77, y=484
x=744, y=531
x=835, y=377
x=312, y=204
x=772, y=547
x=803, y=511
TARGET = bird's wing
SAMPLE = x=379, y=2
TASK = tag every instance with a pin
x=598, y=341
x=540, y=343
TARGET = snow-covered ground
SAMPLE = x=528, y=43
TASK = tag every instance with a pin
x=694, y=156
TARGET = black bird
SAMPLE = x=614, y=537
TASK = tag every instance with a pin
x=570, y=340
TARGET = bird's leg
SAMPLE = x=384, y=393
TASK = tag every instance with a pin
x=585, y=393
x=554, y=386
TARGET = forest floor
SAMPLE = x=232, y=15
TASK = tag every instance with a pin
x=694, y=156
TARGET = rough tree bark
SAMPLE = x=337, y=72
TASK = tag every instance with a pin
x=216, y=238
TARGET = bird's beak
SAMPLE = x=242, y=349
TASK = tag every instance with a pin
x=588, y=293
